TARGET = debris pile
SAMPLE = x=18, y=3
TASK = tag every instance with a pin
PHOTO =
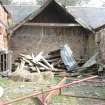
x=62, y=59
x=54, y=58
x=29, y=68
x=33, y=63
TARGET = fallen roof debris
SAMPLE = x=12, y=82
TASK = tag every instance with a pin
x=91, y=61
x=29, y=68
x=68, y=58
x=57, y=61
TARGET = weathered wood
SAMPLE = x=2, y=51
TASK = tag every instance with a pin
x=45, y=61
x=55, y=36
x=54, y=60
x=38, y=57
x=54, y=52
x=52, y=57
x=41, y=64
x=38, y=70
x=20, y=66
x=46, y=69
x=30, y=63
x=26, y=56
x=53, y=24
x=36, y=60
x=100, y=44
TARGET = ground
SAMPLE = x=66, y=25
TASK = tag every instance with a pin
x=18, y=89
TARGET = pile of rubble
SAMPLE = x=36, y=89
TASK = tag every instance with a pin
x=29, y=68
x=62, y=59
x=29, y=65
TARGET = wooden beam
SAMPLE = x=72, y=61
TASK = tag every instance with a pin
x=53, y=24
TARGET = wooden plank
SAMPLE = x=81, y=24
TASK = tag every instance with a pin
x=53, y=24
x=45, y=61
x=38, y=57
x=35, y=61
x=41, y=64
x=54, y=60
x=38, y=70
x=55, y=52
x=51, y=57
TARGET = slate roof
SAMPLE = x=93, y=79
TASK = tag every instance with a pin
x=19, y=13
x=94, y=17
x=88, y=17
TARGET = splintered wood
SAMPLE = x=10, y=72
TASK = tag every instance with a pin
x=54, y=58
x=30, y=69
x=38, y=62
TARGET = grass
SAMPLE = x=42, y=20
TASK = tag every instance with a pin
x=13, y=89
x=18, y=89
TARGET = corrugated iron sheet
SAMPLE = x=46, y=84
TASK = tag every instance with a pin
x=68, y=58
x=91, y=61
